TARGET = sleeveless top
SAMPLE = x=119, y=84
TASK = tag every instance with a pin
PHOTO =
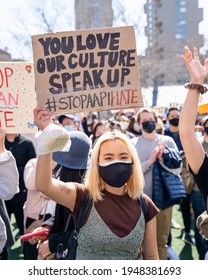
x=96, y=241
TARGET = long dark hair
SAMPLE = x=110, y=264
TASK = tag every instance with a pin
x=66, y=174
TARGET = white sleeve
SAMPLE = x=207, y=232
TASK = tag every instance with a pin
x=29, y=174
x=9, y=176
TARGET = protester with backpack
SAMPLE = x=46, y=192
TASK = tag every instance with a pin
x=114, y=227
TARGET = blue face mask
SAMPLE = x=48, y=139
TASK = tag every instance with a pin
x=115, y=173
x=69, y=127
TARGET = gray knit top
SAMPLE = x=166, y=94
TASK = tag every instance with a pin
x=96, y=241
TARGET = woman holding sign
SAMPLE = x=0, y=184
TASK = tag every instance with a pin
x=115, y=226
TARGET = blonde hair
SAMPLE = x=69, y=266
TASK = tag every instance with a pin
x=146, y=110
x=160, y=125
x=92, y=180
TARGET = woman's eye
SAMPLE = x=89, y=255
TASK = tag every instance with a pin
x=124, y=158
x=108, y=158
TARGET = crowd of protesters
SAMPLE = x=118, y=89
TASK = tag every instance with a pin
x=113, y=159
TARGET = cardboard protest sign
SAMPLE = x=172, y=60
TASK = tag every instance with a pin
x=87, y=70
x=17, y=97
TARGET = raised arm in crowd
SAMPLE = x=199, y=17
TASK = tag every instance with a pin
x=196, y=157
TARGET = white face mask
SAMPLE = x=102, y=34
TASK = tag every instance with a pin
x=124, y=125
x=198, y=134
x=69, y=127
x=136, y=127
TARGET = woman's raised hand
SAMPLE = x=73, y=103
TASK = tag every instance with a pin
x=197, y=71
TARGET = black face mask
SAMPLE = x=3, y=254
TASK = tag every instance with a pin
x=206, y=130
x=174, y=121
x=149, y=126
x=115, y=173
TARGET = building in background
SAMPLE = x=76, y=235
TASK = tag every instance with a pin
x=170, y=26
x=93, y=14
x=4, y=56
